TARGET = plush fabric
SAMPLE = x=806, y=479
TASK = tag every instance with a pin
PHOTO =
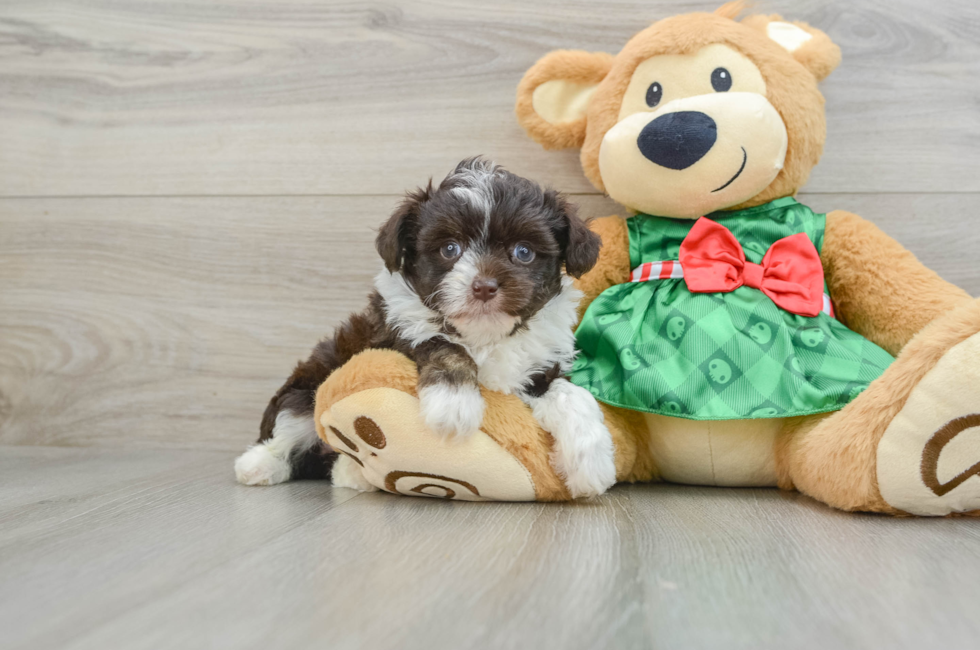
x=646, y=345
x=908, y=444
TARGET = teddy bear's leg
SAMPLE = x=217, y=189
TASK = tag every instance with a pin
x=910, y=443
x=368, y=410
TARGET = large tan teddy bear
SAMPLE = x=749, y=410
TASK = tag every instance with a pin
x=733, y=336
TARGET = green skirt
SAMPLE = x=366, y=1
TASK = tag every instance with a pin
x=656, y=347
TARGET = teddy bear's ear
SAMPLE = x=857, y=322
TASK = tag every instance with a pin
x=554, y=95
x=808, y=45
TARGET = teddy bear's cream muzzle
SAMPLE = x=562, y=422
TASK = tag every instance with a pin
x=695, y=155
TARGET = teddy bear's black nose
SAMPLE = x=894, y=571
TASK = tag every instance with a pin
x=678, y=140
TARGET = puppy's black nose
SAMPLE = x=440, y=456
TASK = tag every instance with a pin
x=678, y=140
x=484, y=289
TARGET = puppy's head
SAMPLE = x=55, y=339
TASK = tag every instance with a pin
x=486, y=249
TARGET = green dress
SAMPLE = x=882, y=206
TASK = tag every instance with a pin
x=654, y=346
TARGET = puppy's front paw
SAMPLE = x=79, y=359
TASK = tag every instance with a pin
x=590, y=475
x=451, y=410
x=583, y=456
x=347, y=474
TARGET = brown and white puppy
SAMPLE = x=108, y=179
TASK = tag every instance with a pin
x=476, y=289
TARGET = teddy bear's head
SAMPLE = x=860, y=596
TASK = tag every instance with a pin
x=697, y=113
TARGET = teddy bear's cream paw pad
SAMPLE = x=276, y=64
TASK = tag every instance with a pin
x=382, y=431
x=929, y=456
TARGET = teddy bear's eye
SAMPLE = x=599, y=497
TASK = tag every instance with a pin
x=721, y=80
x=654, y=93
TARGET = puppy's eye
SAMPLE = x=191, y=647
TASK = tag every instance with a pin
x=721, y=80
x=451, y=250
x=654, y=94
x=522, y=253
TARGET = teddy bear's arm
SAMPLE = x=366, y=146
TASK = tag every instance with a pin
x=880, y=290
x=613, y=266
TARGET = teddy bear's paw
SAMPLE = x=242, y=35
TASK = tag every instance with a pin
x=260, y=466
x=451, y=410
x=928, y=459
x=347, y=473
x=583, y=455
x=381, y=431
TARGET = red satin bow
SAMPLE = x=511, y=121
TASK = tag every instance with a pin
x=791, y=273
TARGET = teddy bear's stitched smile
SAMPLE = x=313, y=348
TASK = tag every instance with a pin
x=745, y=159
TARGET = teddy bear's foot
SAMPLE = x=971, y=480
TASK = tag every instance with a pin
x=910, y=443
x=929, y=456
x=386, y=445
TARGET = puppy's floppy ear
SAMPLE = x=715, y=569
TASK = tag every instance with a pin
x=396, y=238
x=554, y=95
x=579, y=245
x=808, y=45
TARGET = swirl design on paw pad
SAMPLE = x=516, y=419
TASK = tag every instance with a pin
x=392, y=479
x=933, y=448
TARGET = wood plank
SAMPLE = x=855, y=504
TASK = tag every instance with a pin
x=86, y=535
x=182, y=557
x=170, y=322
x=340, y=97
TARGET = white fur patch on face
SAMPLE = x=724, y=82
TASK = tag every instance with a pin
x=348, y=474
x=451, y=410
x=456, y=288
x=267, y=463
x=476, y=187
x=583, y=454
x=477, y=196
x=788, y=35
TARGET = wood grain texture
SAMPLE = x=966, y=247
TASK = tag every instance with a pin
x=223, y=168
x=342, y=97
x=149, y=549
x=170, y=322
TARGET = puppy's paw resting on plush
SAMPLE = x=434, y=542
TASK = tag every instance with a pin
x=451, y=410
x=583, y=455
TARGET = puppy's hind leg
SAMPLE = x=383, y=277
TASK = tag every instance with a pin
x=288, y=447
x=583, y=455
x=292, y=451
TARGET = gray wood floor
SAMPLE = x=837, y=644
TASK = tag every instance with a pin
x=188, y=196
x=104, y=548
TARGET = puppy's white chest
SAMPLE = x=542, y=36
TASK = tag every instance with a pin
x=500, y=368
x=507, y=365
